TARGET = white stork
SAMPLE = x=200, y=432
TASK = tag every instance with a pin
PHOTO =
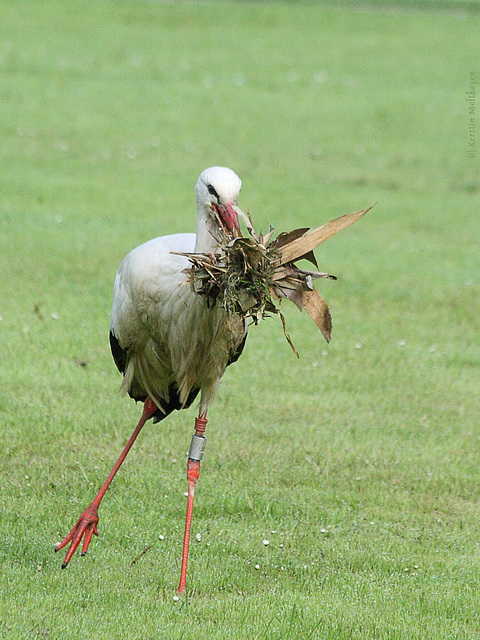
x=166, y=341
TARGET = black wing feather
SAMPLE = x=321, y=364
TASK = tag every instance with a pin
x=119, y=354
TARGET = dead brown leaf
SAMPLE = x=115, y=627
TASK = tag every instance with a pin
x=317, y=308
x=299, y=247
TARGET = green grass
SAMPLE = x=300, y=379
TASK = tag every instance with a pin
x=362, y=456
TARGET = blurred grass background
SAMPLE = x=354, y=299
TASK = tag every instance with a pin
x=358, y=462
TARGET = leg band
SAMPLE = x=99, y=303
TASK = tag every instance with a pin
x=197, y=447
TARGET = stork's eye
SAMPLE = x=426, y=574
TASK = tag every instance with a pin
x=212, y=192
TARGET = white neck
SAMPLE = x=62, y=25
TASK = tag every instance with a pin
x=206, y=239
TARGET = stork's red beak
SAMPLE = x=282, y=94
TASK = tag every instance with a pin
x=228, y=216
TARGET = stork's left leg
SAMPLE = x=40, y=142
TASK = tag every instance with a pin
x=195, y=454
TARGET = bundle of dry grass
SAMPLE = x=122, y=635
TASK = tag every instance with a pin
x=250, y=275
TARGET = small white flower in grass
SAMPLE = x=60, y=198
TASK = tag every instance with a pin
x=240, y=80
x=198, y=537
x=61, y=145
x=266, y=542
x=320, y=76
x=208, y=82
x=137, y=60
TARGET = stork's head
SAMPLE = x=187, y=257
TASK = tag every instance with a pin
x=217, y=193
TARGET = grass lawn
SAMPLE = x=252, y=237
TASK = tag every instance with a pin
x=359, y=462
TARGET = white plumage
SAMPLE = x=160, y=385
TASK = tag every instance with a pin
x=166, y=341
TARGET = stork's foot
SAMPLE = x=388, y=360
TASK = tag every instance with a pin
x=87, y=524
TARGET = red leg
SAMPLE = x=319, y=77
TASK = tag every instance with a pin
x=193, y=472
x=87, y=523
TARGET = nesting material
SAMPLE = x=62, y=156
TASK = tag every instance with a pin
x=249, y=275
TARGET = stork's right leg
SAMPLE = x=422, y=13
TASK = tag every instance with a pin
x=195, y=454
x=87, y=523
